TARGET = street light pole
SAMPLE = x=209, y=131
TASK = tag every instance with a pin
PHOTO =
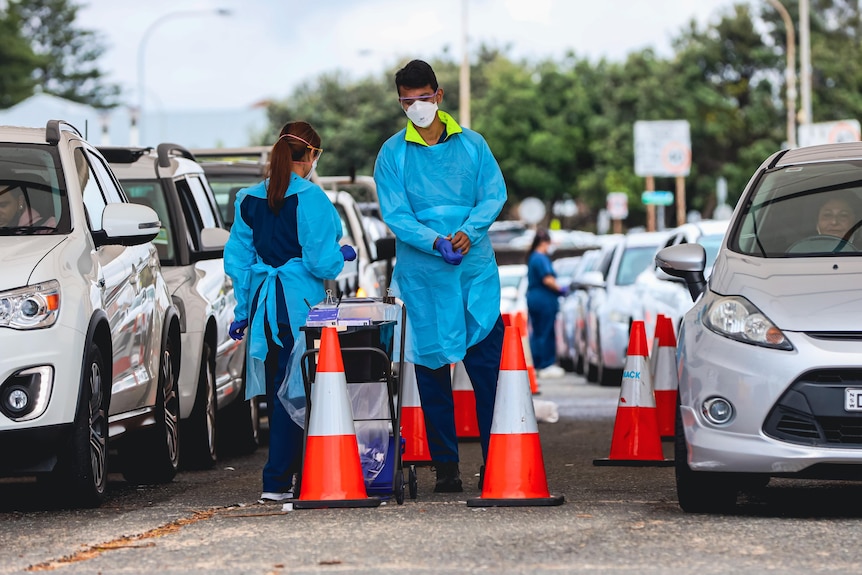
x=464, y=76
x=142, y=45
x=805, y=116
x=790, y=72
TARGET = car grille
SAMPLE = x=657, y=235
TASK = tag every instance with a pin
x=811, y=411
x=836, y=335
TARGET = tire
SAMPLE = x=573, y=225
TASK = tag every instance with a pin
x=566, y=363
x=153, y=456
x=199, y=430
x=592, y=373
x=82, y=472
x=700, y=491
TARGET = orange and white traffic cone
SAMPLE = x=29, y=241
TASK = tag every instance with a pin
x=666, y=379
x=520, y=321
x=466, y=420
x=515, y=469
x=331, y=469
x=413, y=420
x=653, y=355
x=636, y=440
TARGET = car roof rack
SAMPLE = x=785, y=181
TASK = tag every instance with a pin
x=54, y=127
x=164, y=151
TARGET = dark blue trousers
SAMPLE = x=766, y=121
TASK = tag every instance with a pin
x=482, y=363
x=285, y=436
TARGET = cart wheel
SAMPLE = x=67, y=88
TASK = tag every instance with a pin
x=412, y=482
x=399, y=488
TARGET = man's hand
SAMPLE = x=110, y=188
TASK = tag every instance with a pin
x=450, y=256
x=237, y=329
x=461, y=243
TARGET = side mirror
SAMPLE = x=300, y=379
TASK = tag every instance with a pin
x=214, y=238
x=127, y=224
x=686, y=261
x=587, y=280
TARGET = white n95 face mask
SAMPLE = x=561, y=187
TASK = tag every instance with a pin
x=313, y=167
x=422, y=113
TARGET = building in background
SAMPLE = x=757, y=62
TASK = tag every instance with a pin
x=189, y=128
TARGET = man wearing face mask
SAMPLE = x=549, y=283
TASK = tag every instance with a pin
x=440, y=188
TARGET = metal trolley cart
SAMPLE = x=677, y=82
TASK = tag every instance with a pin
x=370, y=370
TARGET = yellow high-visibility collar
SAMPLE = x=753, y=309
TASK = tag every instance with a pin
x=452, y=127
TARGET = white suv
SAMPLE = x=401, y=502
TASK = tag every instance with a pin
x=90, y=337
x=213, y=410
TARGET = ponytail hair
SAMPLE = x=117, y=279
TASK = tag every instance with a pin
x=292, y=144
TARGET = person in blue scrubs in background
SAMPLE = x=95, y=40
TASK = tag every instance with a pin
x=543, y=293
x=282, y=245
x=440, y=188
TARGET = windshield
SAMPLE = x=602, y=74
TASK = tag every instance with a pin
x=634, y=261
x=32, y=192
x=812, y=210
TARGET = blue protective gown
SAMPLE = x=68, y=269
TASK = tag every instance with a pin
x=542, y=305
x=293, y=251
x=427, y=192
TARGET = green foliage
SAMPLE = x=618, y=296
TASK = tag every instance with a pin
x=17, y=63
x=564, y=128
x=67, y=65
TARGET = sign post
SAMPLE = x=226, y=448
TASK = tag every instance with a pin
x=618, y=209
x=663, y=149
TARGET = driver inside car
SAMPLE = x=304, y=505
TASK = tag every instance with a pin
x=837, y=217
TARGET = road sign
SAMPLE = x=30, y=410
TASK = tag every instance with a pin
x=618, y=205
x=662, y=148
x=531, y=211
x=829, y=132
x=657, y=198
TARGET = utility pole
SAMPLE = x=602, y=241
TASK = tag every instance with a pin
x=464, y=76
x=805, y=114
x=789, y=72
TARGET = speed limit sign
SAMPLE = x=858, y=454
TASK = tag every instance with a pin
x=662, y=148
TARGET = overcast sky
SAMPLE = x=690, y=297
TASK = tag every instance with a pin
x=193, y=58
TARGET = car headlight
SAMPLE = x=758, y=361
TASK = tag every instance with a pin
x=619, y=316
x=30, y=307
x=737, y=318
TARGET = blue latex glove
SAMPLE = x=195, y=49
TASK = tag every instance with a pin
x=237, y=329
x=450, y=256
x=564, y=290
x=348, y=252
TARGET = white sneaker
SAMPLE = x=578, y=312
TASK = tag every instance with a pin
x=551, y=372
x=270, y=496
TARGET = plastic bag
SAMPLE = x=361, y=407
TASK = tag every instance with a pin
x=291, y=392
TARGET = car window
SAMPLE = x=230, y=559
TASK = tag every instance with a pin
x=94, y=201
x=104, y=175
x=31, y=176
x=202, y=203
x=150, y=194
x=779, y=217
x=635, y=259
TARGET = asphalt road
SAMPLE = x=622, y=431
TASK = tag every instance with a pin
x=614, y=520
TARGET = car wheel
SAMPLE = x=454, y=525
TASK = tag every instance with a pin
x=700, y=491
x=153, y=456
x=82, y=471
x=239, y=426
x=199, y=430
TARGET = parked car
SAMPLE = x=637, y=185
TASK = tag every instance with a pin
x=768, y=356
x=613, y=304
x=232, y=169
x=191, y=243
x=90, y=336
x=660, y=293
x=569, y=320
x=513, y=288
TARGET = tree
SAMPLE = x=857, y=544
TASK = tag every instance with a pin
x=17, y=64
x=68, y=55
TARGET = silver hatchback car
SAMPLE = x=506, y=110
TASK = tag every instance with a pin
x=769, y=362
